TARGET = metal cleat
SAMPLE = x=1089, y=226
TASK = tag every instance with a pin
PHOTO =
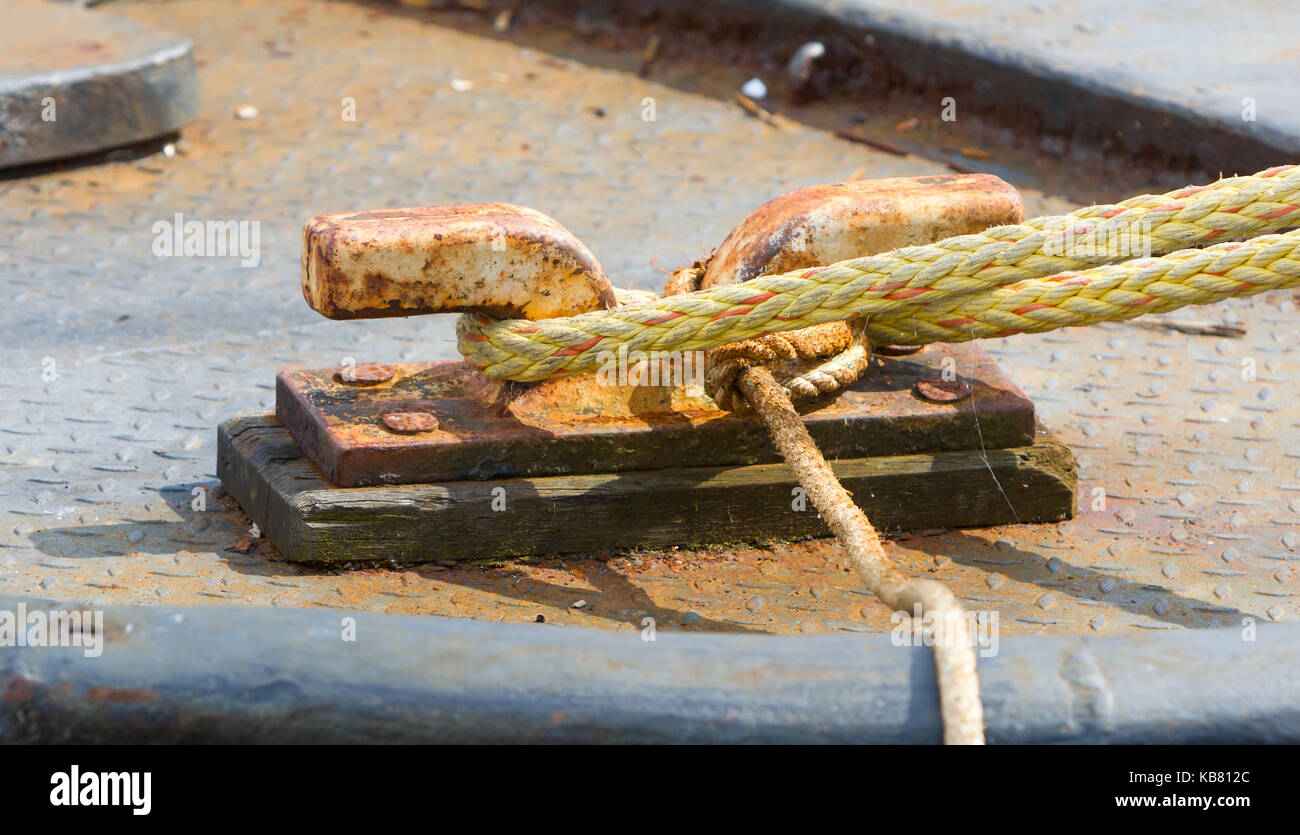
x=402, y=462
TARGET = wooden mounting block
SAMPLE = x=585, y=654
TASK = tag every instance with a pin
x=310, y=520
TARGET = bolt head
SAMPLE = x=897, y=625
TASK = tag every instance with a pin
x=939, y=390
x=409, y=423
x=896, y=350
x=364, y=374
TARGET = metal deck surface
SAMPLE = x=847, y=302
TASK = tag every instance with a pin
x=120, y=364
x=96, y=81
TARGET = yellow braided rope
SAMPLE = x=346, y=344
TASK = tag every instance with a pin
x=912, y=294
x=1105, y=294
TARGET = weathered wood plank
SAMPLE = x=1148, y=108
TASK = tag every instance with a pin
x=310, y=520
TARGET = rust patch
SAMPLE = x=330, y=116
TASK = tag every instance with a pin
x=838, y=221
x=939, y=390
x=18, y=689
x=496, y=258
x=365, y=374
x=833, y=222
x=409, y=423
x=120, y=695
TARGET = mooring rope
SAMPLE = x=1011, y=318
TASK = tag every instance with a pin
x=767, y=374
x=926, y=293
x=1104, y=294
x=1026, y=278
x=941, y=612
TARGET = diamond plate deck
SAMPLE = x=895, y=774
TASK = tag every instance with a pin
x=120, y=364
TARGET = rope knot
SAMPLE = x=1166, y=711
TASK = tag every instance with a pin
x=808, y=362
x=815, y=360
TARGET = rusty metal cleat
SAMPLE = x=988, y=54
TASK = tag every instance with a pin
x=494, y=258
x=412, y=462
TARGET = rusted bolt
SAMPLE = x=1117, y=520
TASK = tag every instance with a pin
x=364, y=374
x=409, y=423
x=494, y=258
x=895, y=350
x=939, y=390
